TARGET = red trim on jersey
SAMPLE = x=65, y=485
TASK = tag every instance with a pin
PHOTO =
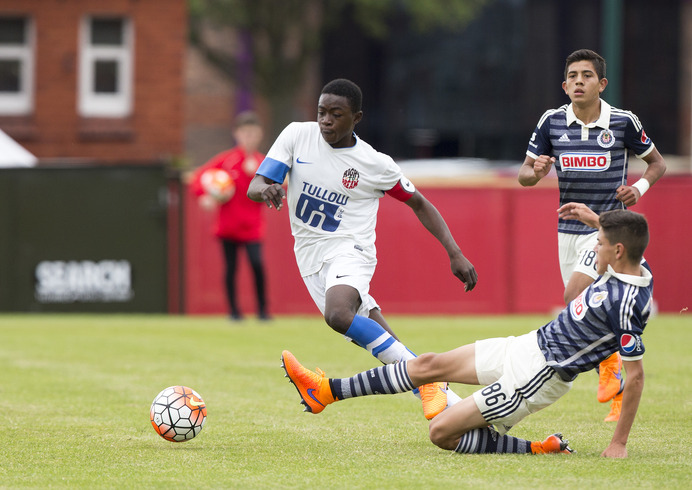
x=398, y=192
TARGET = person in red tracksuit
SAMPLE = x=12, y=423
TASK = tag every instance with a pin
x=240, y=222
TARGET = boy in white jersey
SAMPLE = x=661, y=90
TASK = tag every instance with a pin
x=525, y=374
x=336, y=181
x=588, y=142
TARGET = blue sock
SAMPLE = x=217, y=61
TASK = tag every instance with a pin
x=370, y=335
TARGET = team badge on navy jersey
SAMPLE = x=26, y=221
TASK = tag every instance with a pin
x=350, y=178
x=597, y=298
x=630, y=343
x=578, y=307
x=606, y=139
x=645, y=139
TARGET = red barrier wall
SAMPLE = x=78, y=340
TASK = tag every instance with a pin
x=508, y=233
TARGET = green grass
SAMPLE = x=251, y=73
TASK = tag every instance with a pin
x=75, y=392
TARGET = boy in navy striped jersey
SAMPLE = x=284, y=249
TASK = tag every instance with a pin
x=525, y=374
x=588, y=142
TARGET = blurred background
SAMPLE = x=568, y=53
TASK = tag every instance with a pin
x=105, y=108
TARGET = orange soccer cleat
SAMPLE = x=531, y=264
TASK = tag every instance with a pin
x=553, y=444
x=434, y=398
x=609, y=378
x=615, y=409
x=312, y=387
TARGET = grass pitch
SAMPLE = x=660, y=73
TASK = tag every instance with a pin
x=75, y=392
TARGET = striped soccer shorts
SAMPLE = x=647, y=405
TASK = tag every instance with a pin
x=517, y=380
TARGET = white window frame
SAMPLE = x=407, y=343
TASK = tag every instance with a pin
x=91, y=103
x=22, y=102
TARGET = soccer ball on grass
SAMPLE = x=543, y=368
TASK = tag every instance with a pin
x=178, y=413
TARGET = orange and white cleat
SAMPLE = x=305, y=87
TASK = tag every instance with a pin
x=553, y=444
x=312, y=387
x=434, y=398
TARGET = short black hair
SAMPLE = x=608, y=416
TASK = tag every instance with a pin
x=246, y=118
x=599, y=63
x=626, y=227
x=346, y=88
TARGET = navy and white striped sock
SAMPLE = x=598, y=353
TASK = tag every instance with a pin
x=383, y=380
x=487, y=440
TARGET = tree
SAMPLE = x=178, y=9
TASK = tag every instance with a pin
x=278, y=38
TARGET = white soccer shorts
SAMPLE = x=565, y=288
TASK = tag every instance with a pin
x=577, y=254
x=350, y=270
x=519, y=382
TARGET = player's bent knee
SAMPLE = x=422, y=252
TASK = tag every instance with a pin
x=441, y=437
x=338, y=319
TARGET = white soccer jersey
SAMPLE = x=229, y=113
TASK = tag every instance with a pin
x=333, y=193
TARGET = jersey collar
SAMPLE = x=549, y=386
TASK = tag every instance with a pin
x=641, y=281
x=603, y=120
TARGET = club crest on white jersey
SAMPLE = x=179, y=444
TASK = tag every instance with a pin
x=350, y=178
x=584, y=161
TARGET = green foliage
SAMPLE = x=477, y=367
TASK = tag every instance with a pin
x=374, y=16
x=284, y=35
x=75, y=392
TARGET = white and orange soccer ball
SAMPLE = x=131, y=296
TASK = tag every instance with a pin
x=218, y=184
x=178, y=413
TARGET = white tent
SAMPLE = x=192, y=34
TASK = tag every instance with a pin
x=12, y=154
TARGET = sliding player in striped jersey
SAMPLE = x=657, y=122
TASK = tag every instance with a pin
x=588, y=142
x=528, y=373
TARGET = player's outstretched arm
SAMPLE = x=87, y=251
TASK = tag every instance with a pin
x=431, y=218
x=630, y=403
x=263, y=189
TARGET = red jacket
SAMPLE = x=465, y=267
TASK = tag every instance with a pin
x=239, y=219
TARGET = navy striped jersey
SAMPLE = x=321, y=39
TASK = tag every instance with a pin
x=591, y=159
x=609, y=316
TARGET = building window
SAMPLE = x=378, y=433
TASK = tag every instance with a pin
x=16, y=66
x=105, y=67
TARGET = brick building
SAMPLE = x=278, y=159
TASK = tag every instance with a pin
x=94, y=81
